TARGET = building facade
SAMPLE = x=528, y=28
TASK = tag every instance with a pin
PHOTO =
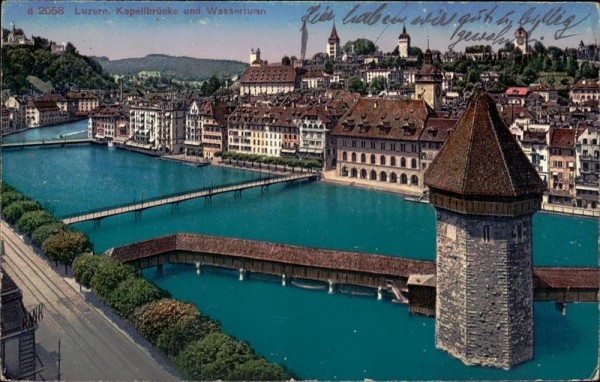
x=333, y=45
x=428, y=83
x=588, y=167
x=562, y=166
x=44, y=113
x=158, y=126
x=585, y=90
x=404, y=44
x=268, y=79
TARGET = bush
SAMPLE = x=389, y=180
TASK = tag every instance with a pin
x=214, y=357
x=132, y=293
x=65, y=246
x=7, y=187
x=44, y=232
x=15, y=210
x=260, y=370
x=109, y=274
x=189, y=328
x=153, y=319
x=84, y=268
x=32, y=220
x=10, y=197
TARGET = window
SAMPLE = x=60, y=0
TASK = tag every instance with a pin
x=372, y=158
x=383, y=176
x=403, y=162
x=363, y=158
x=372, y=145
x=363, y=144
x=392, y=146
x=414, y=180
x=373, y=175
x=353, y=143
x=393, y=177
x=413, y=163
x=382, y=160
x=353, y=173
x=402, y=147
x=382, y=145
x=392, y=161
x=403, y=179
x=353, y=157
x=363, y=174
x=486, y=233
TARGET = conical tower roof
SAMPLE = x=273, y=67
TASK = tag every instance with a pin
x=333, y=37
x=481, y=158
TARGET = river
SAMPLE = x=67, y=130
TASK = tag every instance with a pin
x=318, y=335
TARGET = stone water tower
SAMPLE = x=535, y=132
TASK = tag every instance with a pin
x=485, y=192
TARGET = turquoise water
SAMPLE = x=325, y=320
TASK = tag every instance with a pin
x=311, y=332
x=71, y=130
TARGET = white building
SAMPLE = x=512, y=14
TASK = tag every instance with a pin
x=268, y=79
x=333, y=45
x=392, y=76
x=403, y=44
x=157, y=126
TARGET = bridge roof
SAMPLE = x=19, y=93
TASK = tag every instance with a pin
x=282, y=253
x=543, y=277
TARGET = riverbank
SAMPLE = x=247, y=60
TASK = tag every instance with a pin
x=41, y=127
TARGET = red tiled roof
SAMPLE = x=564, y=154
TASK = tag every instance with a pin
x=534, y=137
x=587, y=84
x=520, y=92
x=43, y=105
x=53, y=97
x=384, y=119
x=333, y=37
x=563, y=138
x=482, y=158
x=269, y=74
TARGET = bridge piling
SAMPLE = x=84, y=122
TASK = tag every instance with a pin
x=198, y=268
x=379, y=293
x=284, y=280
x=331, y=287
x=242, y=274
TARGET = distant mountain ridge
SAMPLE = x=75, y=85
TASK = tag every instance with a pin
x=182, y=68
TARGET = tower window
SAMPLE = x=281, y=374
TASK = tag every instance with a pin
x=486, y=233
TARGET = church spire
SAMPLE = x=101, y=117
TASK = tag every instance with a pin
x=333, y=37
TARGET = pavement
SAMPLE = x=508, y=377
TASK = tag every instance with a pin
x=95, y=343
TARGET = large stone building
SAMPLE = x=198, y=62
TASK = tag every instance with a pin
x=84, y=101
x=103, y=123
x=205, y=129
x=428, y=82
x=377, y=140
x=17, y=106
x=315, y=126
x=44, y=113
x=588, y=167
x=268, y=79
x=585, y=90
x=485, y=192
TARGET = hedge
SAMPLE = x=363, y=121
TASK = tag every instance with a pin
x=289, y=162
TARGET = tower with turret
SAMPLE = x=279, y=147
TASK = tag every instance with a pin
x=428, y=82
x=333, y=45
x=255, y=56
x=403, y=43
x=521, y=40
x=485, y=192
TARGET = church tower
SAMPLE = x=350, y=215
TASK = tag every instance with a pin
x=255, y=56
x=485, y=192
x=403, y=43
x=333, y=44
x=428, y=82
x=521, y=40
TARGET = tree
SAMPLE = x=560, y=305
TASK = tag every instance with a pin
x=587, y=70
x=131, y=293
x=65, y=246
x=329, y=67
x=152, y=319
x=362, y=46
x=15, y=210
x=109, y=274
x=214, y=357
x=356, y=85
x=210, y=86
x=286, y=61
x=31, y=220
x=10, y=197
x=565, y=82
x=188, y=329
x=84, y=268
x=539, y=49
x=572, y=67
x=378, y=84
x=529, y=76
x=260, y=369
x=551, y=80
x=44, y=232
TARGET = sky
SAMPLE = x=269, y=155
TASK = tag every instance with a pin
x=276, y=29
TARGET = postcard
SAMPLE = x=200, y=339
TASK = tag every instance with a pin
x=300, y=190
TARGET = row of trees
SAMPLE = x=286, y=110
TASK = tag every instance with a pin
x=59, y=242
x=253, y=158
x=192, y=340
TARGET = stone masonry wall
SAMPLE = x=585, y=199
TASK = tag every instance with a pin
x=491, y=282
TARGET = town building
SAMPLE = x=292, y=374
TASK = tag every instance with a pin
x=392, y=76
x=103, y=123
x=377, y=141
x=585, y=90
x=535, y=145
x=205, y=129
x=268, y=79
x=587, y=152
x=263, y=130
x=16, y=37
x=84, y=101
x=333, y=45
x=44, y=113
x=58, y=48
x=522, y=40
x=18, y=353
x=7, y=122
x=315, y=126
x=436, y=132
x=17, y=106
x=64, y=104
x=428, y=83
x=550, y=95
x=562, y=166
x=404, y=44
x=485, y=192
x=315, y=79
x=517, y=95
x=157, y=126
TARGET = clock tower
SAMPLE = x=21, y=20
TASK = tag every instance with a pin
x=521, y=41
x=428, y=83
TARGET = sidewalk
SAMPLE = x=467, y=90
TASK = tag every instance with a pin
x=95, y=343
